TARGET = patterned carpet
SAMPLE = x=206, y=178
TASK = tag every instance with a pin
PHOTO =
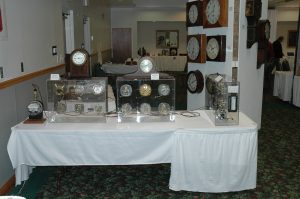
x=278, y=169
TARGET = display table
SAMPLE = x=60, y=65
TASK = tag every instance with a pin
x=169, y=63
x=203, y=157
x=296, y=91
x=283, y=82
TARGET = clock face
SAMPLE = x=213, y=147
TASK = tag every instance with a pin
x=145, y=108
x=126, y=109
x=79, y=58
x=212, y=48
x=195, y=81
x=192, y=82
x=98, y=89
x=213, y=11
x=145, y=90
x=193, y=14
x=146, y=65
x=164, y=108
x=126, y=90
x=164, y=89
x=193, y=48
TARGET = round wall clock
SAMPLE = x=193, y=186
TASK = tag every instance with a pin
x=215, y=13
x=216, y=48
x=194, y=14
x=145, y=90
x=196, y=48
x=79, y=63
x=195, y=81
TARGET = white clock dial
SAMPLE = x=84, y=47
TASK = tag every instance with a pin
x=164, y=89
x=164, y=108
x=192, y=82
x=145, y=108
x=212, y=11
x=98, y=89
x=126, y=90
x=193, y=14
x=79, y=58
x=146, y=65
x=193, y=48
x=212, y=48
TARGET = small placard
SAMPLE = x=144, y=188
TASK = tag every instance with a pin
x=154, y=76
x=219, y=78
x=54, y=77
x=233, y=89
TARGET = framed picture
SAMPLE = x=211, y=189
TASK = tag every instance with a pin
x=292, y=38
x=167, y=38
x=3, y=29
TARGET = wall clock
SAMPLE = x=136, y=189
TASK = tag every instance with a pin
x=195, y=81
x=194, y=13
x=79, y=63
x=216, y=48
x=196, y=45
x=215, y=13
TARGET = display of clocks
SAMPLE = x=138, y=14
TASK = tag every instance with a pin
x=79, y=63
x=145, y=108
x=216, y=48
x=195, y=81
x=164, y=89
x=145, y=90
x=196, y=48
x=126, y=109
x=215, y=13
x=125, y=90
x=164, y=108
x=194, y=13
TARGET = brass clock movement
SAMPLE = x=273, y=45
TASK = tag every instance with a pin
x=79, y=64
x=216, y=48
x=215, y=13
x=194, y=13
x=196, y=45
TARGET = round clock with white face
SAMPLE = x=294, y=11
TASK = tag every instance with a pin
x=213, y=11
x=146, y=64
x=212, y=48
x=195, y=81
x=98, y=89
x=164, y=108
x=193, y=48
x=164, y=89
x=79, y=58
x=126, y=109
x=126, y=90
x=145, y=90
x=145, y=108
x=193, y=14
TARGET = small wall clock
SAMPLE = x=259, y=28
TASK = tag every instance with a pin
x=215, y=13
x=196, y=45
x=216, y=48
x=195, y=81
x=194, y=13
x=79, y=63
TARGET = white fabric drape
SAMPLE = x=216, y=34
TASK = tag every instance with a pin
x=296, y=91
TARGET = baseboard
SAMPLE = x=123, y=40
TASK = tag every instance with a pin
x=8, y=186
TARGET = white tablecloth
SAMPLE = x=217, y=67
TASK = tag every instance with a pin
x=283, y=82
x=169, y=63
x=296, y=91
x=224, y=158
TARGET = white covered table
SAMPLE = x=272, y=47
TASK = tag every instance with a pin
x=296, y=91
x=283, y=82
x=203, y=157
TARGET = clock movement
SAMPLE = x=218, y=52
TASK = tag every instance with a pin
x=194, y=14
x=196, y=45
x=215, y=13
x=79, y=63
x=216, y=48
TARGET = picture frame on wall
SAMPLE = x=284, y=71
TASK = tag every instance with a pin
x=3, y=27
x=292, y=38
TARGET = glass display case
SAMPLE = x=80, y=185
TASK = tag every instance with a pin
x=77, y=100
x=222, y=100
x=142, y=99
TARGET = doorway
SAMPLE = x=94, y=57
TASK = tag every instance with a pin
x=121, y=44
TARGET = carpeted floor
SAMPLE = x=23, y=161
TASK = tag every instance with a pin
x=278, y=169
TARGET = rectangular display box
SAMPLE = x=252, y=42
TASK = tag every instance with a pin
x=140, y=99
x=77, y=100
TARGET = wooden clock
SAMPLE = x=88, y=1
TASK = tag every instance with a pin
x=79, y=64
x=196, y=45
x=195, y=81
x=216, y=48
x=215, y=13
x=194, y=13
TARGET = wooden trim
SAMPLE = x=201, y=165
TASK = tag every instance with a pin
x=8, y=186
x=32, y=75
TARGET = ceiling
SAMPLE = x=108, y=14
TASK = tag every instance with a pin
x=181, y=3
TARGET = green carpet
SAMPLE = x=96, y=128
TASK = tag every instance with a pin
x=278, y=169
